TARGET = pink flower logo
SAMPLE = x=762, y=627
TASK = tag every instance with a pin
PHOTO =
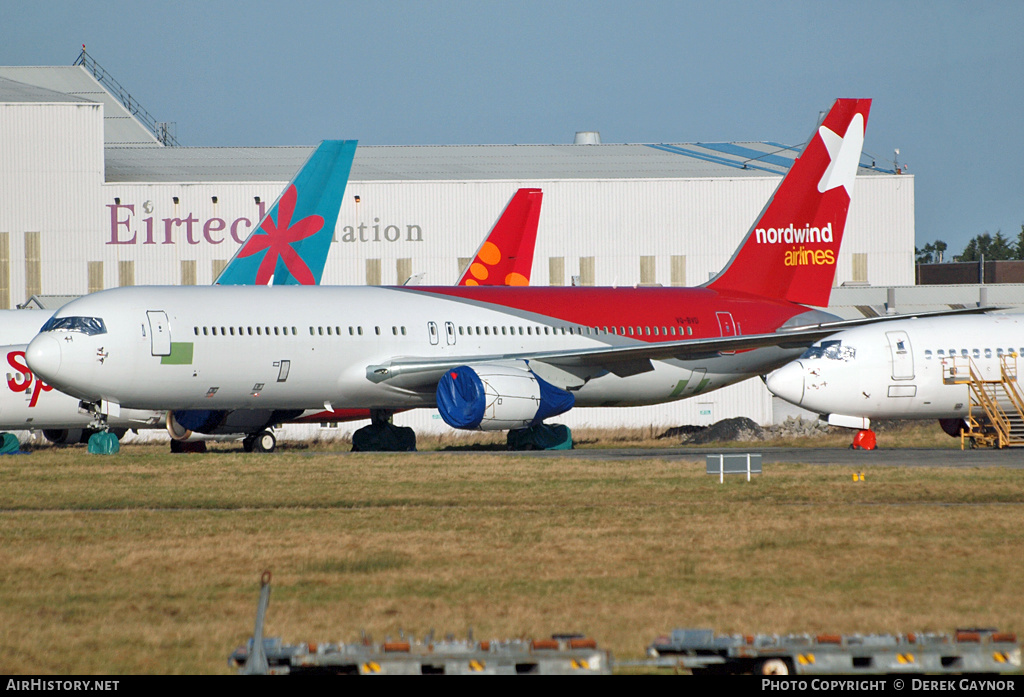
x=279, y=239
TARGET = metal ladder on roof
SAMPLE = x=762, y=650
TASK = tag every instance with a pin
x=996, y=414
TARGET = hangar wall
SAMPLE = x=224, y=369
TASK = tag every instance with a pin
x=51, y=170
x=689, y=229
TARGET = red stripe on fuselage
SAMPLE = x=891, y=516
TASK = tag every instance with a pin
x=633, y=307
x=335, y=415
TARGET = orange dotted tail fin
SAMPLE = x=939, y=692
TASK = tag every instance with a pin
x=506, y=256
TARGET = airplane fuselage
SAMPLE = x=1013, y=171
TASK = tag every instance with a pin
x=241, y=347
x=900, y=369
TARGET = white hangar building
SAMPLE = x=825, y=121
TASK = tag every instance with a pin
x=91, y=199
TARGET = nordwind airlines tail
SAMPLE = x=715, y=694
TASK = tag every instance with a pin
x=791, y=251
x=291, y=243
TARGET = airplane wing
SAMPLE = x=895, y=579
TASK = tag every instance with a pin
x=851, y=323
x=423, y=373
x=420, y=373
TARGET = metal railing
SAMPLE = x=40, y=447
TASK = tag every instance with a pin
x=162, y=130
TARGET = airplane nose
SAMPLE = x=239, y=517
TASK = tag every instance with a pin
x=788, y=382
x=43, y=356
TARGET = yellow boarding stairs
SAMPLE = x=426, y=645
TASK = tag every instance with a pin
x=996, y=415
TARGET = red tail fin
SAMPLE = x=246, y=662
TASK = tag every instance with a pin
x=791, y=252
x=506, y=256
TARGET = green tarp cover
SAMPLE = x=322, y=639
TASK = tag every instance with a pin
x=8, y=444
x=103, y=443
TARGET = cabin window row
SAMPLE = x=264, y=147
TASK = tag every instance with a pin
x=245, y=331
x=577, y=330
x=973, y=353
x=287, y=331
x=352, y=331
x=463, y=331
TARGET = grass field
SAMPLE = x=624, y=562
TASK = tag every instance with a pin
x=146, y=562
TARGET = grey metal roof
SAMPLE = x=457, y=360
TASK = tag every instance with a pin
x=133, y=153
x=181, y=164
x=855, y=302
x=460, y=162
x=12, y=91
x=47, y=302
x=119, y=126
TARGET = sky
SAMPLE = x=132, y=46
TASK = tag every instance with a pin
x=946, y=77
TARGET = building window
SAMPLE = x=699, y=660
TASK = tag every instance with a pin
x=188, y=272
x=648, y=271
x=860, y=268
x=126, y=273
x=588, y=273
x=403, y=268
x=33, y=264
x=678, y=270
x=556, y=271
x=95, y=276
x=217, y=267
x=5, y=271
x=373, y=272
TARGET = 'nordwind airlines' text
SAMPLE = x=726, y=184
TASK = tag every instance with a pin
x=800, y=235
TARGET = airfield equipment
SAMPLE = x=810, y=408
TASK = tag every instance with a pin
x=996, y=414
x=965, y=651
x=699, y=651
x=559, y=655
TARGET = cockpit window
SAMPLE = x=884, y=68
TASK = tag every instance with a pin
x=831, y=350
x=86, y=325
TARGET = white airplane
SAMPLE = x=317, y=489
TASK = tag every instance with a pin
x=30, y=403
x=504, y=258
x=488, y=358
x=904, y=369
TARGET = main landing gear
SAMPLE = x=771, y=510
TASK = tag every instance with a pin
x=188, y=446
x=383, y=436
x=262, y=442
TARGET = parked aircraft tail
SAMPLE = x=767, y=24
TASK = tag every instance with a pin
x=291, y=242
x=506, y=256
x=791, y=251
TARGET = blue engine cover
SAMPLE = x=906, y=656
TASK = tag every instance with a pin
x=463, y=399
x=199, y=420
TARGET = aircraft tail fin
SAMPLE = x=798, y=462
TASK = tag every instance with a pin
x=291, y=242
x=791, y=251
x=506, y=257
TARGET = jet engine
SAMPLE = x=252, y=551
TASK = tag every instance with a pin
x=498, y=398
x=66, y=436
x=953, y=427
x=70, y=436
x=183, y=423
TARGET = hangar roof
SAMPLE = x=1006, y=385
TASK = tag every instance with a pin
x=74, y=83
x=13, y=91
x=133, y=154
x=461, y=162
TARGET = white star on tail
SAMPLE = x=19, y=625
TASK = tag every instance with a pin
x=845, y=155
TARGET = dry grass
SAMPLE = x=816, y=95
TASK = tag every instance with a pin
x=149, y=563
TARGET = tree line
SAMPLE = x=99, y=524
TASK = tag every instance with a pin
x=996, y=247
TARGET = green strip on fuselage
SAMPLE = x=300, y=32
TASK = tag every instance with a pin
x=181, y=354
